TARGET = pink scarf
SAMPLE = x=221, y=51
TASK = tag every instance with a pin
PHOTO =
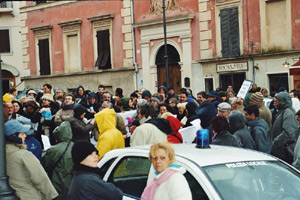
x=150, y=190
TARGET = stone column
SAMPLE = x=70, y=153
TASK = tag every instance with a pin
x=205, y=32
x=145, y=64
x=126, y=30
x=186, y=68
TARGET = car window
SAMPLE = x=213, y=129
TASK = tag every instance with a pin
x=131, y=174
x=257, y=180
x=105, y=167
x=196, y=189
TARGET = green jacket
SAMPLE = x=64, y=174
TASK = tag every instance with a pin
x=60, y=176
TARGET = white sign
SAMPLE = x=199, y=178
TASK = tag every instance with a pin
x=244, y=89
x=232, y=67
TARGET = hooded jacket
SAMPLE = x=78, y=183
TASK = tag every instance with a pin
x=26, y=175
x=285, y=125
x=259, y=130
x=61, y=177
x=175, y=136
x=240, y=130
x=109, y=136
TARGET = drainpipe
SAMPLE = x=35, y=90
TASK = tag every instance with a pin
x=133, y=45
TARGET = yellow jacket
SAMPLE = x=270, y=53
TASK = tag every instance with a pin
x=109, y=136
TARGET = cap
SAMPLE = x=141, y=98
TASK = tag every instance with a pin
x=48, y=97
x=224, y=106
x=213, y=93
x=13, y=126
x=256, y=98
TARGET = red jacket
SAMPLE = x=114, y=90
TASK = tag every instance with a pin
x=175, y=136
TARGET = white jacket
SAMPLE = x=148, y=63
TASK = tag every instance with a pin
x=175, y=188
x=147, y=134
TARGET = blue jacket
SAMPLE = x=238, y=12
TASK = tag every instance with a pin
x=206, y=112
x=259, y=130
x=34, y=146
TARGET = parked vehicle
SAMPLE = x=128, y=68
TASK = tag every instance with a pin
x=218, y=172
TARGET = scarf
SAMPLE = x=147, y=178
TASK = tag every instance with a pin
x=150, y=190
x=67, y=107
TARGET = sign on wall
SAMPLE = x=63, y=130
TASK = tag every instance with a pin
x=231, y=67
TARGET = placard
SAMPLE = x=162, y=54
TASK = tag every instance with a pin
x=244, y=89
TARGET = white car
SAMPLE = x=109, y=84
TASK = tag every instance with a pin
x=218, y=172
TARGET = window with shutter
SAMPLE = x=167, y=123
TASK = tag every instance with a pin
x=230, y=32
x=44, y=56
x=4, y=41
x=103, y=48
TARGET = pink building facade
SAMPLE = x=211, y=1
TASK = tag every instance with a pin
x=211, y=44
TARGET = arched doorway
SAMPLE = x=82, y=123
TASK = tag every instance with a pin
x=174, y=68
x=8, y=81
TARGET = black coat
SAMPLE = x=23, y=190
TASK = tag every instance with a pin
x=80, y=130
x=226, y=139
x=90, y=186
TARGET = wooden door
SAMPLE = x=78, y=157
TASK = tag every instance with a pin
x=174, y=77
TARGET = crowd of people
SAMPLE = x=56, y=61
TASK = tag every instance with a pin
x=71, y=120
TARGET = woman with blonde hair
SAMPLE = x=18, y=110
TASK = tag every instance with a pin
x=168, y=182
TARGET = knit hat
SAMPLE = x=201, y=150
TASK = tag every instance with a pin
x=80, y=150
x=7, y=98
x=79, y=110
x=155, y=99
x=224, y=106
x=48, y=97
x=256, y=98
x=146, y=93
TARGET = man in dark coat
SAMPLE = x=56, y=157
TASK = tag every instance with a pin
x=80, y=129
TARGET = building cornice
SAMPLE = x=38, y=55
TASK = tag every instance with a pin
x=160, y=21
x=43, y=6
x=101, y=17
x=77, y=73
x=41, y=28
x=247, y=57
x=69, y=23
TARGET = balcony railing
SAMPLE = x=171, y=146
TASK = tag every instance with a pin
x=6, y=4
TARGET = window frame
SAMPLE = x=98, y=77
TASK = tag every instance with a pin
x=119, y=162
x=40, y=35
x=101, y=25
x=10, y=53
x=218, y=9
x=70, y=29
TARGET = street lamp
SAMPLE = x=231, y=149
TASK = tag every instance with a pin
x=165, y=39
x=286, y=64
x=6, y=192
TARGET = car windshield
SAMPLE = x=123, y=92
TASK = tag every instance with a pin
x=255, y=180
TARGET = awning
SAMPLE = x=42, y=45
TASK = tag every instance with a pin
x=295, y=69
x=297, y=64
x=10, y=68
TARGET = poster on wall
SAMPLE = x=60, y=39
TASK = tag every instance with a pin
x=244, y=89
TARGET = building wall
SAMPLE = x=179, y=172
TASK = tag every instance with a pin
x=53, y=14
x=11, y=20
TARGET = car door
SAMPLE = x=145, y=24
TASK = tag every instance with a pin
x=130, y=174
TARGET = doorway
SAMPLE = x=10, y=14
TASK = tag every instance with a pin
x=173, y=68
x=234, y=79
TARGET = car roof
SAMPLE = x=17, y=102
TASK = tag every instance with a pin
x=214, y=155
